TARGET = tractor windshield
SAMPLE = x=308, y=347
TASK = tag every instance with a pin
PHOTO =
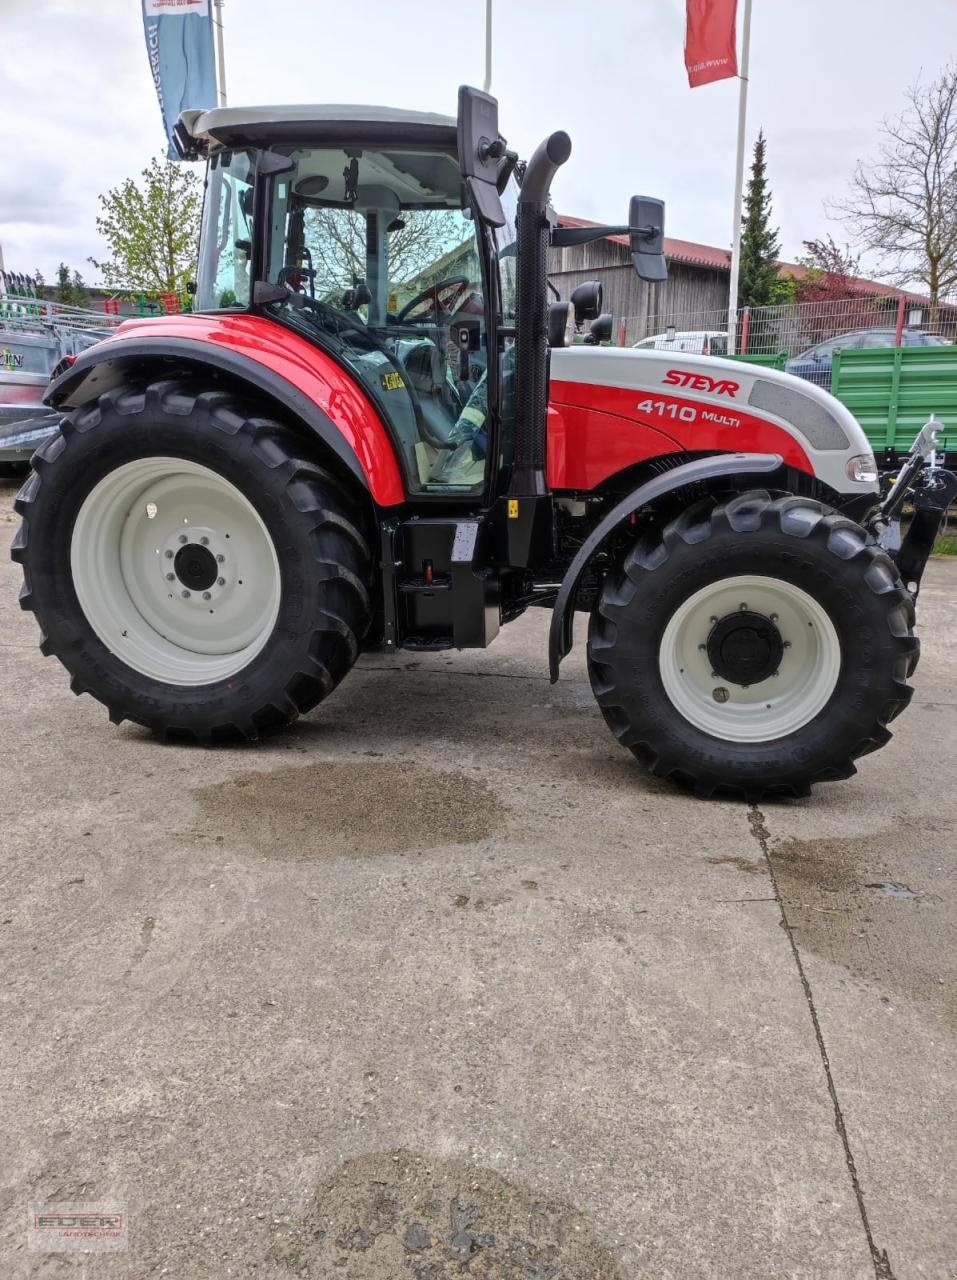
x=377, y=251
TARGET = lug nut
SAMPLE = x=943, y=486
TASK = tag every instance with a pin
x=185, y=595
x=787, y=644
x=183, y=538
x=743, y=608
x=720, y=694
x=170, y=577
x=775, y=673
x=702, y=647
x=220, y=558
x=207, y=595
x=169, y=555
x=204, y=541
x=220, y=582
x=774, y=617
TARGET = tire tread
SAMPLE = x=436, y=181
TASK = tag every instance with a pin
x=752, y=512
x=340, y=551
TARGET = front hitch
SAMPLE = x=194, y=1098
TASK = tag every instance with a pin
x=931, y=490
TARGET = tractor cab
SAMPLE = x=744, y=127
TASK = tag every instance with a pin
x=389, y=240
x=355, y=228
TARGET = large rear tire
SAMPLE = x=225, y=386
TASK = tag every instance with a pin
x=189, y=565
x=753, y=648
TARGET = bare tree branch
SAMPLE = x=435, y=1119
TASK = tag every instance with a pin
x=336, y=239
x=903, y=203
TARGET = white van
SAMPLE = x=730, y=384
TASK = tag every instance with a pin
x=699, y=342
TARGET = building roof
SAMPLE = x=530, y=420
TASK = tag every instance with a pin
x=707, y=255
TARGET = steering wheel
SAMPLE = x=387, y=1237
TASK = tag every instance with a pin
x=443, y=296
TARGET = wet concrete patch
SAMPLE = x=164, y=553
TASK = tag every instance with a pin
x=359, y=808
x=846, y=901
x=394, y=1214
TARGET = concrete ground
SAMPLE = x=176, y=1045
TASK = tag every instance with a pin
x=438, y=983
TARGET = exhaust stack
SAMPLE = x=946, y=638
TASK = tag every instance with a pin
x=531, y=318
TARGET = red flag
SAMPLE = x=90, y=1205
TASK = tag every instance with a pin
x=710, y=45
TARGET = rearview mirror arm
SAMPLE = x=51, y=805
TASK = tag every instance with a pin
x=565, y=237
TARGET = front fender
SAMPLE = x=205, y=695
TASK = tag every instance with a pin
x=723, y=466
x=266, y=357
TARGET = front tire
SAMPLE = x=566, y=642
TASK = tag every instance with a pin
x=753, y=648
x=190, y=567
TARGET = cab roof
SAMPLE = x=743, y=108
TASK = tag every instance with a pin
x=259, y=126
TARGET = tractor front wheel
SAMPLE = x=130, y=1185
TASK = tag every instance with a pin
x=753, y=648
x=189, y=565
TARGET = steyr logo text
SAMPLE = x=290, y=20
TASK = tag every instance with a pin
x=701, y=382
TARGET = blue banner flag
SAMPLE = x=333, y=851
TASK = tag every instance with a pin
x=179, y=41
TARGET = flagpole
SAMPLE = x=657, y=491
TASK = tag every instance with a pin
x=220, y=56
x=488, y=45
x=739, y=179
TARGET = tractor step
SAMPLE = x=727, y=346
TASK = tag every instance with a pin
x=436, y=591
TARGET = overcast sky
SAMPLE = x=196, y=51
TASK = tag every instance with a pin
x=79, y=112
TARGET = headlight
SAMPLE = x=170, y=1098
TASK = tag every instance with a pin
x=862, y=469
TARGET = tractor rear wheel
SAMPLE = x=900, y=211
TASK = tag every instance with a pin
x=189, y=565
x=753, y=648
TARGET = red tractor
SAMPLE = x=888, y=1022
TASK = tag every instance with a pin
x=373, y=430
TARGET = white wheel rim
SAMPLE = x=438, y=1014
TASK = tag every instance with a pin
x=774, y=707
x=126, y=565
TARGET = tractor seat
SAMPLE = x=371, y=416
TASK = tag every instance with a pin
x=425, y=367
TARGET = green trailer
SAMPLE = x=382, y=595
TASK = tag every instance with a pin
x=774, y=360
x=892, y=391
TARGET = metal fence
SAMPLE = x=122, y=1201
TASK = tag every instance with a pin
x=793, y=328
x=24, y=313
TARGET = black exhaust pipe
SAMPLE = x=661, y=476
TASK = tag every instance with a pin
x=533, y=231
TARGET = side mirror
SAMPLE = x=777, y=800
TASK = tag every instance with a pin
x=586, y=300
x=481, y=149
x=646, y=231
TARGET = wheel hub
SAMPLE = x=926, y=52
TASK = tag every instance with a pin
x=749, y=658
x=195, y=566
x=745, y=648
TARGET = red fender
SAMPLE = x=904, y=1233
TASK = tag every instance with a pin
x=258, y=341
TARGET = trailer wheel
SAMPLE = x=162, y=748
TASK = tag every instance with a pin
x=753, y=648
x=189, y=566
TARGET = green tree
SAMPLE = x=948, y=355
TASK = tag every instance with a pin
x=152, y=228
x=759, y=284
x=70, y=289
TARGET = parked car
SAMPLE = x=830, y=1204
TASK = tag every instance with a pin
x=815, y=364
x=699, y=342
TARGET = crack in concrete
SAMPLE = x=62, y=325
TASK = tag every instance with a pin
x=882, y=1265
